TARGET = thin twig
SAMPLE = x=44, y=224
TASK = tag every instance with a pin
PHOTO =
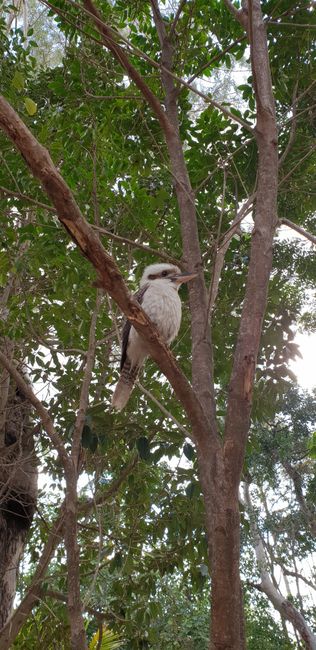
x=18, y=195
x=306, y=25
x=219, y=257
x=135, y=244
x=84, y=394
x=164, y=410
x=293, y=126
x=229, y=157
x=176, y=18
x=215, y=58
x=285, y=178
x=41, y=410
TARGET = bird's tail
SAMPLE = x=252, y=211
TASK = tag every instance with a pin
x=125, y=385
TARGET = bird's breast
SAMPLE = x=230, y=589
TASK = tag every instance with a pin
x=163, y=307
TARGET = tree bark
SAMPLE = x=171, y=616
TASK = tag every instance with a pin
x=18, y=486
x=219, y=467
x=223, y=512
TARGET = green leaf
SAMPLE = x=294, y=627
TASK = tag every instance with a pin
x=110, y=640
x=30, y=106
x=312, y=446
x=18, y=80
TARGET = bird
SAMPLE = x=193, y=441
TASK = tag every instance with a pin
x=159, y=298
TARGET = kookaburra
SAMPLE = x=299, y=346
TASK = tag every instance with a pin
x=159, y=298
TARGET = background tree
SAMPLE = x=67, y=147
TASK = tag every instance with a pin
x=157, y=174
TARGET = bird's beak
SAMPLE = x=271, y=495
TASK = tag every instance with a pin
x=184, y=277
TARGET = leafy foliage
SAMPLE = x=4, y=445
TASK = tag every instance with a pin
x=110, y=150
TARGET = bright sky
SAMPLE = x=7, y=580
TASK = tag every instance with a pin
x=305, y=368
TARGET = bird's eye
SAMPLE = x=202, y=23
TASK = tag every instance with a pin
x=164, y=274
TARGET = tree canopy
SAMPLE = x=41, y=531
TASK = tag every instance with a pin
x=107, y=88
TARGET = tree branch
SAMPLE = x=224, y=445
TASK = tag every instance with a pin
x=215, y=58
x=164, y=410
x=109, y=38
x=293, y=126
x=12, y=628
x=281, y=604
x=135, y=244
x=176, y=18
x=299, y=229
x=102, y=231
x=57, y=595
x=68, y=212
x=24, y=197
x=287, y=176
x=294, y=574
x=84, y=394
x=240, y=14
x=78, y=635
x=202, y=358
x=122, y=59
x=10, y=631
x=41, y=410
x=260, y=265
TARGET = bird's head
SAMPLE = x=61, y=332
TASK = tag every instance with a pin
x=168, y=273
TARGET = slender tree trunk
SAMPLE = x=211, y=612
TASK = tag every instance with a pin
x=202, y=358
x=78, y=634
x=226, y=625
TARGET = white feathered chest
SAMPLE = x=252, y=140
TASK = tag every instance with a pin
x=162, y=304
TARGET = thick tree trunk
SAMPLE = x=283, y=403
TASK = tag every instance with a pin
x=18, y=487
x=223, y=531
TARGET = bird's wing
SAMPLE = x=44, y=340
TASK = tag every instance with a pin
x=139, y=295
